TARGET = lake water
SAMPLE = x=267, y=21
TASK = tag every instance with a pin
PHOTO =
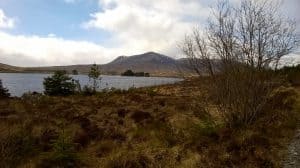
x=20, y=83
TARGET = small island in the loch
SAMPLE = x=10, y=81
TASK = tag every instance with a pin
x=138, y=74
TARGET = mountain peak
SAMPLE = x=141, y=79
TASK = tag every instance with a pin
x=119, y=59
x=146, y=57
x=151, y=53
x=151, y=62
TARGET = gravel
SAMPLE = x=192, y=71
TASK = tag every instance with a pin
x=293, y=158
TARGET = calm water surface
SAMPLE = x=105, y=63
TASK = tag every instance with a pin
x=20, y=83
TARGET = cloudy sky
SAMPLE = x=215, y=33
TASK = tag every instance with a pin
x=62, y=32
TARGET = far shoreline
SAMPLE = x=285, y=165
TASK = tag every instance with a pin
x=18, y=84
x=105, y=74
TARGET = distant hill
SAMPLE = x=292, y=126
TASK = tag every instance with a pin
x=151, y=62
x=9, y=68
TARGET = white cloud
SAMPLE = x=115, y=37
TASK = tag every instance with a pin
x=6, y=22
x=136, y=26
x=51, y=35
x=148, y=25
x=39, y=51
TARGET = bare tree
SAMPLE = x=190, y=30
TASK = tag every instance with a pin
x=254, y=33
x=94, y=75
x=237, y=49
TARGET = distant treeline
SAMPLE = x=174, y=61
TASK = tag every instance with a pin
x=292, y=74
x=131, y=73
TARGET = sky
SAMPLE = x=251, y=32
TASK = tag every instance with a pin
x=65, y=32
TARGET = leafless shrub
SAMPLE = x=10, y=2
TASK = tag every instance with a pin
x=238, y=49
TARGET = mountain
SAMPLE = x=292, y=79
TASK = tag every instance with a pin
x=151, y=62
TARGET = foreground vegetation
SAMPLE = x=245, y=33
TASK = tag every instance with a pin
x=241, y=114
x=166, y=126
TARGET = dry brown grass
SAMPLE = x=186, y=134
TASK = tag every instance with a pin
x=165, y=126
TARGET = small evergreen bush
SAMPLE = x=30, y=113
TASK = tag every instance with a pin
x=59, y=84
x=3, y=91
x=63, y=154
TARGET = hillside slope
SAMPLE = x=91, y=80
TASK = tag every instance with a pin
x=9, y=68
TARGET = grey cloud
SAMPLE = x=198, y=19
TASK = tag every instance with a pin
x=291, y=9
